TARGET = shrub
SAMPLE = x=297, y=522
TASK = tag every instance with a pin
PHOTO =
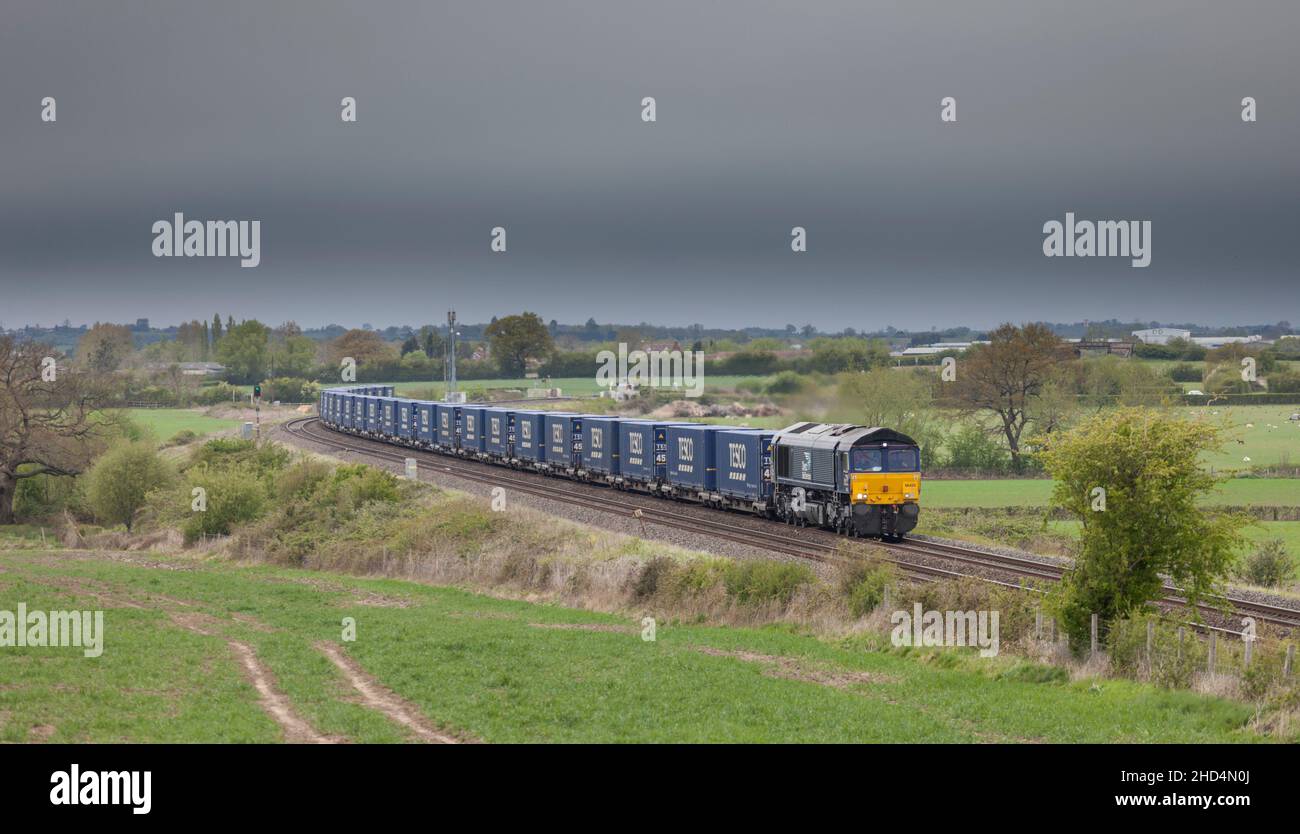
x=765, y=581
x=42, y=496
x=1284, y=383
x=228, y=453
x=290, y=390
x=119, y=480
x=1172, y=662
x=786, y=382
x=222, y=392
x=972, y=448
x=233, y=498
x=1269, y=565
x=301, y=479
x=182, y=437
x=863, y=583
x=1186, y=372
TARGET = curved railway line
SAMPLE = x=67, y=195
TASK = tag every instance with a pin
x=820, y=546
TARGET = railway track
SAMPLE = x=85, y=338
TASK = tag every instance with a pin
x=817, y=546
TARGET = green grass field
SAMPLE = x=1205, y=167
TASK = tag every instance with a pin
x=1267, y=436
x=166, y=422
x=1287, y=531
x=1037, y=492
x=505, y=671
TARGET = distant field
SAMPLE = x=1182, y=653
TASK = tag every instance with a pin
x=1267, y=436
x=1037, y=493
x=504, y=671
x=166, y=422
x=1287, y=531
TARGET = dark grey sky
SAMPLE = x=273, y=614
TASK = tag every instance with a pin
x=770, y=115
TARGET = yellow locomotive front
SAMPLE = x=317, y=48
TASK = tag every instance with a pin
x=885, y=488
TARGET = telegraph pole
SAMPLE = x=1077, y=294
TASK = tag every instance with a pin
x=451, y=355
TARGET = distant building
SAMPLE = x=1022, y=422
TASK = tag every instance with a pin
x=190, y=368
x=937, y=347
x=1161, y=335
x=141, y=326
x=1220, y=341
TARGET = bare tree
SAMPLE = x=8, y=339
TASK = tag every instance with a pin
x=1007, y=376
x=48, y=422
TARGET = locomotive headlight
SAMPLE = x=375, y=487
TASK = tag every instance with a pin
x=908, y=495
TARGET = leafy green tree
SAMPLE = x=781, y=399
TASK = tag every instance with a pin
x=894, y=398
x=517, y=339
x=245, y=351
x=834, y=356
x=1146, y=523
x=119, y=480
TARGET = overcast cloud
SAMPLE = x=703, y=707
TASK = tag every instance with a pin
x=770, y=115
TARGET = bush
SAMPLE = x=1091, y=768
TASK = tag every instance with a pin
x=786, y=382
x=119, y=480
x=43, y=496
x=1284, y=383
x=1172, y=662
x=301, y=479
x=222, y=392
x=232, y=453
x=233, y=498
x=290, y=390
x=1186, y=372
x=182, y=437
x=763, y=581
x=863, y=583
x=1269, y=565
x=971, y=448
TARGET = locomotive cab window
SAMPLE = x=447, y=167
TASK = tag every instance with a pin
x=868, y=460
x=904, y=460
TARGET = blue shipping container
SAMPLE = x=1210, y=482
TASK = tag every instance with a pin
x=448, y=436
x=744, y=458
x=496, y=431
x=471, y=427
x=406, y=419
x=426, y=423
x=530, y=435
x=563, y=438
x=600, y=446
x=691, y=456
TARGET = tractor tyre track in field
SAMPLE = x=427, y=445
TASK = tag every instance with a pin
x=380, y=698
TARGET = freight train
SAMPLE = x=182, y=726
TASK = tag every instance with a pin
x=856, y=480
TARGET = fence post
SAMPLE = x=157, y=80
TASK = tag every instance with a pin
x=1038, y=624
x=1245, y=658
x=1151, y=636
x=1290, y=657
x=885, y=600
x=1094, y=634
x=1214, y=642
